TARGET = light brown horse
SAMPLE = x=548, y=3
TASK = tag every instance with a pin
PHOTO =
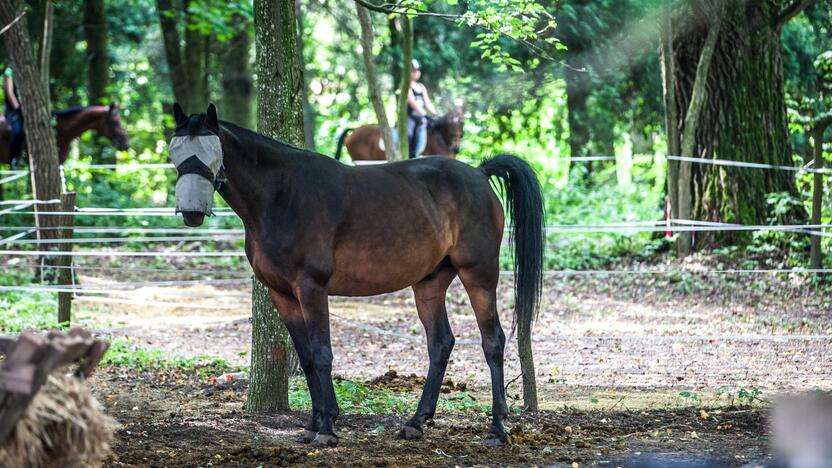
x=72, y=123
x=444, y=139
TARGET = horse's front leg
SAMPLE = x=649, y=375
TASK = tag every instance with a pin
x=290, y=312
x=315, y=308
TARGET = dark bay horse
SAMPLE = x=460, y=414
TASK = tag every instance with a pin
x=444, y=139
x=71, y=123
x=315, y=227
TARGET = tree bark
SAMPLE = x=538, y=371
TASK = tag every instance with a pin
x=698, y=97
x=237, y=83
x=46, y=49
x=819, y=127
x=308, y=110
x=40, y=141
x=95, y=33
x=173, y=53
x=743, y=115
x=674, y=147
x=196, y=62
x=279, y=115
x=404, y=85
x=372, y=82
x=577, y=93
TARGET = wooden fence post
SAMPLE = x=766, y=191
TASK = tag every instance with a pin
x=65, y=261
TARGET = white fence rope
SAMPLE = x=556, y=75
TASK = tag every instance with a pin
x=130, y=269
x=105, y=253
x=122, y=240
x=13, y=177
x=726, y=162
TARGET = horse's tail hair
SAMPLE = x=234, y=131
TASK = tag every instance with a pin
x=340, y=144
x=519, y=184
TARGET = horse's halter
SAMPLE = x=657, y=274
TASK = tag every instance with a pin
x=199, y=163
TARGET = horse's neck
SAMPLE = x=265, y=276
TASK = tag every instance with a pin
x=249, y=172
x=73, y=126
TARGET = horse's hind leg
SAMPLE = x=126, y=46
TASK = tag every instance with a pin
x=430, y=303
x=480, y=282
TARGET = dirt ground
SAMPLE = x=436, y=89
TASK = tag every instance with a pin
x=624, y=365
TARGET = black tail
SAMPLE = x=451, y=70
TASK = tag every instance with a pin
x=340, y=143
x=522, y=192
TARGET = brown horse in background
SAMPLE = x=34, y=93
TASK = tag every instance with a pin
x=72, y=123
x=444, y=139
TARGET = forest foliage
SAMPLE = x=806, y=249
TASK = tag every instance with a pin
x=543, y=80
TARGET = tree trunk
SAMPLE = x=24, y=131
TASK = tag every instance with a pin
x=577, y=93
x=237, y=84
x=404, y=85
x=308, y=110
x=173, y=53
x=743, y=116
x=279, y=115
x=372, y=82
x=672, y=123
x=698, y=98
x=95, y=33
x=46, y=50
x=819, y=127
x=196, y=62
x=40, y=141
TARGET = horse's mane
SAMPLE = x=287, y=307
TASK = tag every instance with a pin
x=69, y=112
x=250, y=137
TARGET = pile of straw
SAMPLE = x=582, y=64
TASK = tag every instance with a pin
x=63, y=426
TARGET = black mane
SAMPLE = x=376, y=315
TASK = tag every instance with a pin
x=69, y=111
x=250, y=137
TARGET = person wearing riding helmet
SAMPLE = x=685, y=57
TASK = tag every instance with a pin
x=14, y=117
x=418, y=108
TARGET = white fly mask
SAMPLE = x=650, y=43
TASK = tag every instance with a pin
x=198, y=160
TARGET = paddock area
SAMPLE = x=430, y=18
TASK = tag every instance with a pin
x=679, y=364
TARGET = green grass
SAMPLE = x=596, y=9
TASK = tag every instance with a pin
x=122, y=353
x=357, y=398
x=21, y=310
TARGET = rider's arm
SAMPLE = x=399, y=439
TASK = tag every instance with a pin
x=414, y=104
x=8, y=88
x=428, y=104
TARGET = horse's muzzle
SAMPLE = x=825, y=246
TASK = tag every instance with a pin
x=193, y=218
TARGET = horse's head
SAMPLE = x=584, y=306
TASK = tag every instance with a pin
x=452, y=124
x=112, y=129
x=196, y=152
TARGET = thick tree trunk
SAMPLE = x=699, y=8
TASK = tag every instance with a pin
x=672, y=123
x=744, y=114
x=196, y=62
x=372, y=82
x=279, y=115
x=95, y=33
x=40, y=141
x=46, y=50
x=817, y=131
x=308, y=110
x=173, y=53
x=698, y=98
x=404, y=85
x=237, y=83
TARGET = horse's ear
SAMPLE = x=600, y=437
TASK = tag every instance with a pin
x=211, y=117
x=179, y=114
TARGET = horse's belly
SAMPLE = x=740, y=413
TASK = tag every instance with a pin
x=360, y=272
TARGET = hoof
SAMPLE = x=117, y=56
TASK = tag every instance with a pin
x=323, y=440
x=306, y=436
x=496, y=440
x=410, y=433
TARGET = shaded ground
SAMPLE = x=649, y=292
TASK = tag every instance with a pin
x=173, y=420
x=625, y=361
